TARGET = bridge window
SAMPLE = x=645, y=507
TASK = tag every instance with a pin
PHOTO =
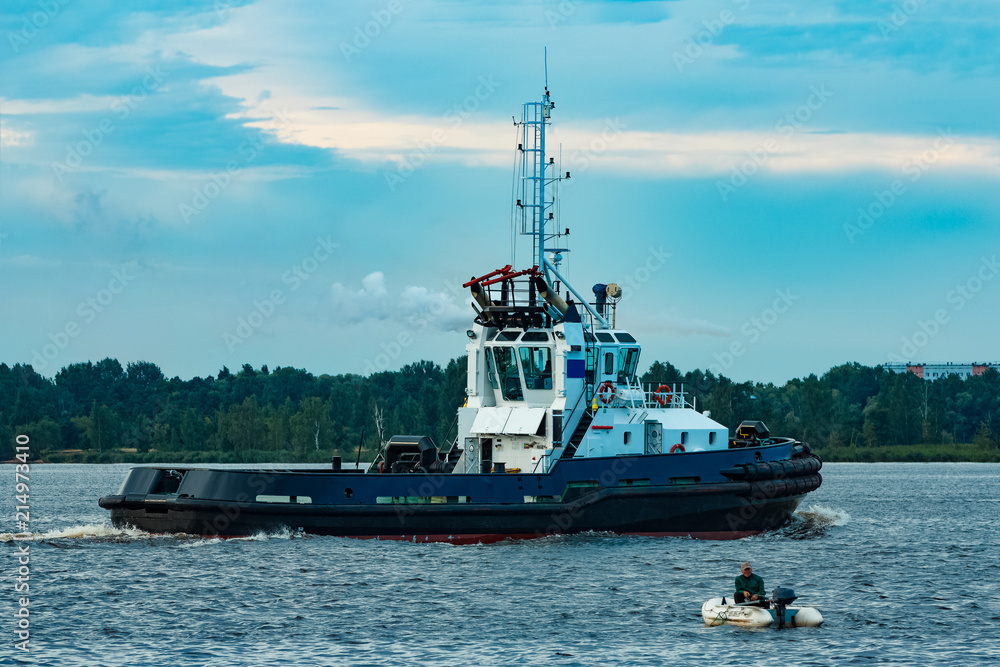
x=491, y=371
x=537, y=366
x=535, y=337
x=510, y=379
x=605, y=337
x=609, y=363
x=625, y=337
x=628, y=358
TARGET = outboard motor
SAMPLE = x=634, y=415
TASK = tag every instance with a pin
x=782, y=597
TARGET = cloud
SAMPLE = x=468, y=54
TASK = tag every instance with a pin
x=415, y=306
x=380, y=138
x=11, y=137
x=673, y=321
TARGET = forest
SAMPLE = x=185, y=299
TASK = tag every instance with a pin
x=102, y=412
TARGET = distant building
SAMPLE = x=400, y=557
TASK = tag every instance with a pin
x=935, y=371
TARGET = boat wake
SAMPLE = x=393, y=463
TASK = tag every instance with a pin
x=823, y=515
x=105, y=532
x=814, y=521
x=95, y=531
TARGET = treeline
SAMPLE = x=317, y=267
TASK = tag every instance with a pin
x=853, y=406
x=288, y=414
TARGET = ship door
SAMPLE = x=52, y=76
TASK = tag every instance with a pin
x=654, y=437
x=472, y=454
x=606, y=366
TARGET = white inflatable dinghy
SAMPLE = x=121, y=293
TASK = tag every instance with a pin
x=725, y=611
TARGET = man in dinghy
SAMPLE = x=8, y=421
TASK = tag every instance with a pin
x=750, y=587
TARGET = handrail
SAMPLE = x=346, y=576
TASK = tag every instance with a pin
x=677, y=398
x=573, y=411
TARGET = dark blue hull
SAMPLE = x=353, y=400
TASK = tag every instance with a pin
x=719, y=494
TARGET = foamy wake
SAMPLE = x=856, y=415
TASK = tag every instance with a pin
x=201, y=540
x=98, y=531
x=821, y=516
x=107, y=532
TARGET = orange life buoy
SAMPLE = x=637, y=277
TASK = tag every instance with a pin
x=609, y=396
x=660, y=397
x=677, y=448
x=381, y=467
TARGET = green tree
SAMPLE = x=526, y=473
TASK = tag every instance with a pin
x=242, y=427
x=44, y=434
x=311, y=426
x=101, y=428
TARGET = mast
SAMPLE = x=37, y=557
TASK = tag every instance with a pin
x=534, y=207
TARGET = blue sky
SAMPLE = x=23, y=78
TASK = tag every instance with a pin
x=297, y=183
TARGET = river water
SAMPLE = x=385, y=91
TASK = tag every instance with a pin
x=903, y=561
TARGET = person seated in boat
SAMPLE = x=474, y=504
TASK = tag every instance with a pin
x=750, y=587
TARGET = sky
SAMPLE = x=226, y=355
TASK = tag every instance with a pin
x=778, y=187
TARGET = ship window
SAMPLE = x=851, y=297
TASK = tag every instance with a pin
x=711, y=437
x=589, y=337
x=510, y=379
x=535, y=337
x=491, y=368
x=508, y=334
x=625, y=337
x=684, y=437
x=628, y=436
x=628, y=358
x=605, y=337
x=609, y=363
x=537, y=367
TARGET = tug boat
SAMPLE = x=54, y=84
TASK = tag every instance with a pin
x=556, y=435
x=779, y=612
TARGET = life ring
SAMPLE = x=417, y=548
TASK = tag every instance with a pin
x=381, y=467
x=662, y=398
x=677, y=448
x=609, y=396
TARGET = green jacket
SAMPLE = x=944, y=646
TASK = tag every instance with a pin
x=753, y=584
